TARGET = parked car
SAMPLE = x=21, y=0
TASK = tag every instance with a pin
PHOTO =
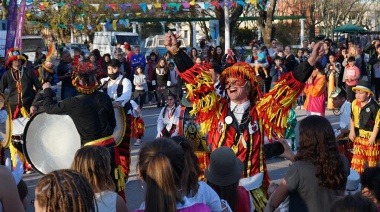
x=157, y=42
x=71, y=46
x=107, y=41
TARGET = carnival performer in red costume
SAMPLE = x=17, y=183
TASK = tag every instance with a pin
x=242, y=121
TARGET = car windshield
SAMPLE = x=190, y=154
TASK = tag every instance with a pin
x=77, y=45
x=132, y=40
x=31, y=44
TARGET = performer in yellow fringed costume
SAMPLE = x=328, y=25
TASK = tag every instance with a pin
x=241, y=122
x=364, y=130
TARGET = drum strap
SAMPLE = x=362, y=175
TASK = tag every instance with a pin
x=108, y=141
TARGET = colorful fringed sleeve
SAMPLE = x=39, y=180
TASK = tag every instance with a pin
x=274, y=106
x=200, y=91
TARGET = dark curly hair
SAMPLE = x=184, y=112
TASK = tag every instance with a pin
x=318, y=145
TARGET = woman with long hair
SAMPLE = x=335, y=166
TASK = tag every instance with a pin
x=94, y=162
x=210, y=53
x=218, y=55
x=196, y=190
x=319, y=173
x=161, y=164
x=167, y=122
x=193, y=54
x=106, y=60
x=37, y=56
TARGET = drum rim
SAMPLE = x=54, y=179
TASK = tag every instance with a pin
x=124, y=117
x=9, y=120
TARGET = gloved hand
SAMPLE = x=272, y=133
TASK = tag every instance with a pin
x=159, y=135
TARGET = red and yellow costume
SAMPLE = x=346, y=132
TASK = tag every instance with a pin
x=365, y=119
x=266, y=115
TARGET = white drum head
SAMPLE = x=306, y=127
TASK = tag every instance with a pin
x=50, y=142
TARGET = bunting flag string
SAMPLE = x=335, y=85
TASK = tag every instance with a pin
x=142, y=8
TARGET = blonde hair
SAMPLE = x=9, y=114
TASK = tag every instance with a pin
x=94, y=162
x=353, y=49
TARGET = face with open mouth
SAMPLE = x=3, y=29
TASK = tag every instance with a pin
x=236, y=91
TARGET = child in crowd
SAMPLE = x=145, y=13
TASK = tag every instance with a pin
x=167, y=121
x=138, y=125
x=315, y=91
x=141, y=87
x=354, y=203
x=277, y=71
x=161, y=165
x=162, y=75
x=198, y=60
x=64, y=190
x=196, y=190
x=370, y=182
x=223, y=175
x=94, y=162
x=77, y=58
x=350, y=77
x=364, y=124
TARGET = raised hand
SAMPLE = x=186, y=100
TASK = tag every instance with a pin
x=317, y=53
x=171, y=43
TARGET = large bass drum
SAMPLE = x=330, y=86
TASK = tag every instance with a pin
x=121, y=125
x=5, y=122
x=50, y=142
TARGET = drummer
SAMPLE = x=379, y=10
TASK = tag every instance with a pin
x=92, y=113
x=343, y=110
x=119, y=88
x=22, y=84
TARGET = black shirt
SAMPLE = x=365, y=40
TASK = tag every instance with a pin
x=84, y=110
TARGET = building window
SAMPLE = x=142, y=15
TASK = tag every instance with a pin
x=186, y=34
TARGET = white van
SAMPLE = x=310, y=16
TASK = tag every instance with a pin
x=30, y=43
x=106, y=41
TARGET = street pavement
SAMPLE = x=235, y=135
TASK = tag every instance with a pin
x=135, y=188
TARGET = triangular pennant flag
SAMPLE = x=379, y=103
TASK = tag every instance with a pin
x=242, y=3
x=77, y=2
x=186, y=5
x=175, y=11
x=129, y=5
x=45, y=3
x=29, y=1
x=171, y=4
x=112, y=6
x=90, y=27
x=82, y=14
x=96, y=6
x=207, y=5
x=143, y=7
x=61, y=4
x=138, y=14
x=46, y=25
x=164, y=6
x=29, y=7
x=62, y=26
x=114, y=22
x=229, y=4
x=99, y=27
x=123, y=6
x=116, y=14
x=157, y=5
x=149, y=6
x=55, y=6
x=233, y=4
x=136, y=6
x=192, y=2
x=201, y=5
x=42, y=6
x=27, y=15
x=215, y=4
x=221, y=4
x=177, y=6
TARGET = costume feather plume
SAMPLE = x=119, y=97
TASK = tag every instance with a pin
x=50, y=52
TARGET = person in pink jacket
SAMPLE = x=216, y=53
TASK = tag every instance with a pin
x=315, y=91
x=350, y=77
